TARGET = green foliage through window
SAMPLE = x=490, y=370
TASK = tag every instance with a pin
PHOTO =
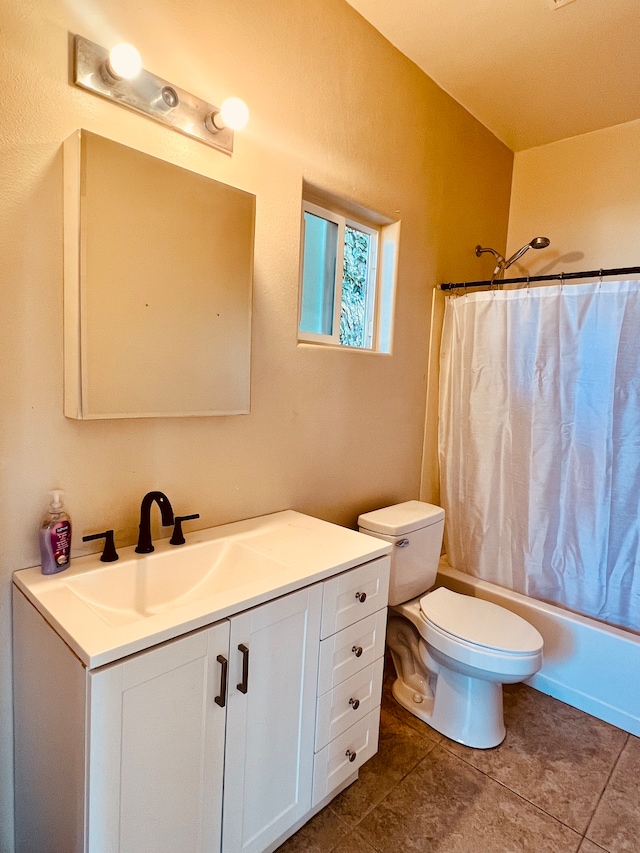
x=353, y=313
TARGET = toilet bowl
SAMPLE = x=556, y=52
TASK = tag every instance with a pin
x=452, y=653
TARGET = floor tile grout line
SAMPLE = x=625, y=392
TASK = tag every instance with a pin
x=606, y=785
x=392, y=788
x=372, y=846
x=344, y=825
x=515, y=793
x=579, y=836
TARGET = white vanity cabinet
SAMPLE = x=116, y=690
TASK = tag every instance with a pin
x=224, y=738
x=224, y=713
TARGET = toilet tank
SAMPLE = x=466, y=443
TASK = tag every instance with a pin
x=416, y=529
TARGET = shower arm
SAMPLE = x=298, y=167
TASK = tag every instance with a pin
x=502, y=265
x=481, y=249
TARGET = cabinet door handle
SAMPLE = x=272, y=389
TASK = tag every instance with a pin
x=355, y=704
x=350, y=755
x=361, y=596
x=224, y=665
x=357, y=650
x=244, y=684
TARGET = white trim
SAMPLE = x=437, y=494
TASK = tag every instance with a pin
x=329, y=216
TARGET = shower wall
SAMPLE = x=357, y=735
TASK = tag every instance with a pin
x=593, y=223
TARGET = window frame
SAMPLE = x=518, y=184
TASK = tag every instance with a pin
x=372, y=285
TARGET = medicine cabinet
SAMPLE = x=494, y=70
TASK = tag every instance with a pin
x=158, y=269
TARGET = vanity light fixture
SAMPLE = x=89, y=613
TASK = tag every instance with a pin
x=119, y=77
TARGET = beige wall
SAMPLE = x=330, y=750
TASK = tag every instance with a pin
x=330, y=432
x=584, y=194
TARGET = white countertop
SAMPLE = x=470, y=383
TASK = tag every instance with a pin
x=298, y=550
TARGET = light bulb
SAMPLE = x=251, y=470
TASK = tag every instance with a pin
x=124, y=62
x=233, y=114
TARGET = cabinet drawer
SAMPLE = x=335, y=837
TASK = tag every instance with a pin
x=354, y=594
x=348, y=703
x=351, y=650
x=333, y=764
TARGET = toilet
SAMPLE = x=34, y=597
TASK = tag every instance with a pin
x=452, y=653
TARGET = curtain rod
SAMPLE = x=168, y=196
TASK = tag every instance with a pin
x=562, y=276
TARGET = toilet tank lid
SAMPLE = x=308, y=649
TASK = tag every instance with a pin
x=400, y=519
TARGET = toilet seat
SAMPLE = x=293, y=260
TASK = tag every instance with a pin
x=479, y=623
x=478, y=635
x=482, y=661
x=479, y=661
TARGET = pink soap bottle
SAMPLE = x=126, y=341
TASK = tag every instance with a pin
x=55, y=536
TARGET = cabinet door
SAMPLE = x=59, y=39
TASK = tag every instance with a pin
x=156, y=748
x=270, y=727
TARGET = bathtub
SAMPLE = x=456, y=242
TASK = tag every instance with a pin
x=587, y=664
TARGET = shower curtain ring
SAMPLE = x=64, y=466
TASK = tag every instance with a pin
x=600, y=280
x=561, y=281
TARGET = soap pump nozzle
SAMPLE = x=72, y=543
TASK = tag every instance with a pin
x=56, y=500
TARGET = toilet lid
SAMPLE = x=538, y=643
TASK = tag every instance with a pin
x=480, y=622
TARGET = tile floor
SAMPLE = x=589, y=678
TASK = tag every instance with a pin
x=561, y=782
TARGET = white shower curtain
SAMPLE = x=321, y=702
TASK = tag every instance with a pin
x=539, y=443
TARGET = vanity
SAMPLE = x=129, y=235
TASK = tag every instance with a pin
x=210, y=697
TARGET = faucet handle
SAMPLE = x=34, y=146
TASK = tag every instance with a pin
x=178, y=536
x=109, y=553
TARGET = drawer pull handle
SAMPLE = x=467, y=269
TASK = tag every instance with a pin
x=355, y=704
x=402, y=543
x=357, y=650
x=350, y=755
x=222, y=698
x=361, y=596
x=243, y=687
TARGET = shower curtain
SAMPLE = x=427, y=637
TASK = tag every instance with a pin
x=539, y=443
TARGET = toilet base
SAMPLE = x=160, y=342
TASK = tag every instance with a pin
x=460, y=706
x=464, y=709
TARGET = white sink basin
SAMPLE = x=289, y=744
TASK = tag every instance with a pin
x=104, y=611
x=143, y=586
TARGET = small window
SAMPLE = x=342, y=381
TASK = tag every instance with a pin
x=340, y=284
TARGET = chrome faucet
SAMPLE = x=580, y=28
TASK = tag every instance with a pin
x=145, y=545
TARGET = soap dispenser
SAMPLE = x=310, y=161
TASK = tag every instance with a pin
x=55, y=536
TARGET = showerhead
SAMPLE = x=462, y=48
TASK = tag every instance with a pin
x=536, y=243
x=539, y=242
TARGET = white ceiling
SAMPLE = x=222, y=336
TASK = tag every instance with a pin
x=531, y=73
